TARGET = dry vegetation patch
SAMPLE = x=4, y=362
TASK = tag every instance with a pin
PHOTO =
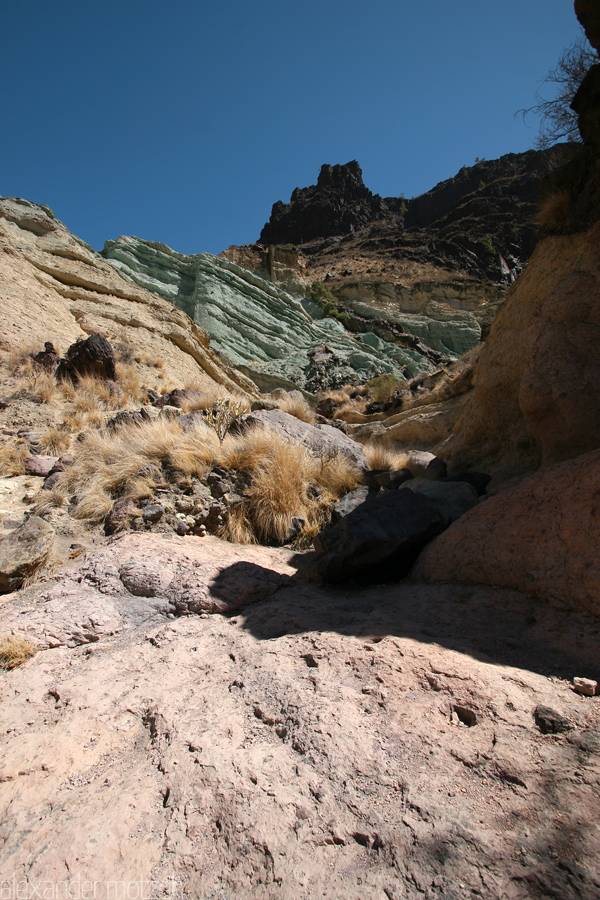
x=14, y=651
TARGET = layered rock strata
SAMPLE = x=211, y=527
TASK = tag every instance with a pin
x=251, y=321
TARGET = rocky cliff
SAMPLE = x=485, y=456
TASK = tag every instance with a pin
x=481, y=222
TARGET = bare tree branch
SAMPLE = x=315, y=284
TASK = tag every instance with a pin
x=558, y=121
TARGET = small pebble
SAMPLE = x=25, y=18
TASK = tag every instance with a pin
x=585, y=686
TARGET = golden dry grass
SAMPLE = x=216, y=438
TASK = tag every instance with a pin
x=14, y=651
x=384, y=458
x=20, y=354
x=12, y=458
x=55, y=441
x=351, y=406
x=297, y=407
x=281, y=475
x=553, y=209
x=37, y=381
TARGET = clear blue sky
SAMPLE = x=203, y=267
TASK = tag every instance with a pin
x=185, y=121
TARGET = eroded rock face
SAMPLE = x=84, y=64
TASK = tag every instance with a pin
x=539, y=536
x=536, y=393
x=56, y=289
x=251, y=321
x=339, y=203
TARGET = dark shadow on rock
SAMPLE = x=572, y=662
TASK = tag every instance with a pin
x=494, y=625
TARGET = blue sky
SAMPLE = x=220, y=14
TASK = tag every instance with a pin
x=183, y=122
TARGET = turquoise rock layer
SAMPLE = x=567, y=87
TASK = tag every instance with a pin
x=251, y=321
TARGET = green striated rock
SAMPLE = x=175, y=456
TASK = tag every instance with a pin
x=255, y=324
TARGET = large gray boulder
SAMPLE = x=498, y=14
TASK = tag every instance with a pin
x=321, y=440
x=23, y=551
x=380, y=538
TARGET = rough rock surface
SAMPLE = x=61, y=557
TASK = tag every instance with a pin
x=453, y=499
x=339, y=203
x=483, y=220
x=538, y=376
x=54, y=287
x=22, y=551
x=379, y=744
x=540, y=536
x=320, y=439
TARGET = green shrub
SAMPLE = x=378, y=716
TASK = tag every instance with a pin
x=382, y=387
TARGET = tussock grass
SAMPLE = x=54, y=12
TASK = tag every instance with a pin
x=40, y=383
x=12, y=458
x=553, y=209
x=285, y=480
x=20, y=355
x=297, y=407
x=384, y=458
x=55, y=441
x=350, y=406
x=14, y=651
x=46, y=500
x=281, y=476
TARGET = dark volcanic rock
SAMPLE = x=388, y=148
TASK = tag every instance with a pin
x=483, y=220
x=380, y=538
x=47, y=358
x=549, y=721
x=339, y=203
x=93, y=356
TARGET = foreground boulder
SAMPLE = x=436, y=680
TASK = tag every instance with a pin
x=23, y=551
x=540, y=536
x=322, y=440
x=380, y=538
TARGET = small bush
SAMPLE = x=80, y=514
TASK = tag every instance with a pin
x=14, y=651
x=381, y=388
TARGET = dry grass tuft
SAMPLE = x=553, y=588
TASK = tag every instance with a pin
x=55, y=441
x=384, y=458
x=553, y=209
x=284, y=480
x=349, y=407
x=299, y=408
x=281, y=476
x=46, y=500
x=12, y=458
x=40, y=383
x=21, y=354
x=15, y=651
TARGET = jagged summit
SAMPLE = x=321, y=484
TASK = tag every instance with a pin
x=339, y=203
x=482, y=221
